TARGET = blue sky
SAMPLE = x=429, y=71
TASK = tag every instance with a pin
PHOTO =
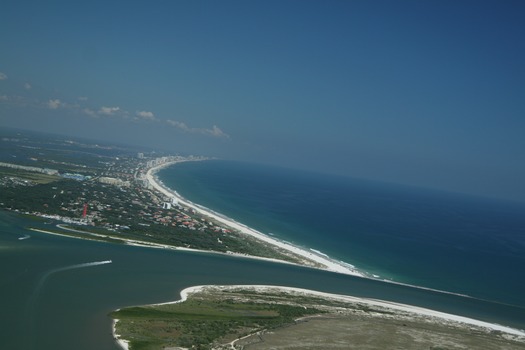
x=427, y=93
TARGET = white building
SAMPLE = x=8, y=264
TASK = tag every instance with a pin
x=113, y=181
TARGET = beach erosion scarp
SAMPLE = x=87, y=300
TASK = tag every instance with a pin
x=322, y=260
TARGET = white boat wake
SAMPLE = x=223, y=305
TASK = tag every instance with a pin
x=66, y=268
x=32, y=300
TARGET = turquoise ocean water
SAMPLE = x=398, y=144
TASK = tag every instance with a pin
x=451, y=242
x=54, y=295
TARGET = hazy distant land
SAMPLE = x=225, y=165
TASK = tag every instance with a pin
x=111, y=194
x=105, y=195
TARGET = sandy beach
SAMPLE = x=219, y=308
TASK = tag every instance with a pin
x=310, y=254
x=471, y=325
x=363, y=301
x=371, y=302
x=121, y=342
x=327, y=263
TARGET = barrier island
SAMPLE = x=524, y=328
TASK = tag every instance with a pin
x=264, y=317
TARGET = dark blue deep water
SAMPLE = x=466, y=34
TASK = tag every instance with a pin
x=53, y=297
x=457, y=243
x=54, y=294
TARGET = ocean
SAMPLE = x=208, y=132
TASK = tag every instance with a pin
x=56, y=292
x=433, y=239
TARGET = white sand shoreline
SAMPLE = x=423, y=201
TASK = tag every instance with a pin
x=311, y=254
x=325, y=261
x=123, y=343
x=432, y=315
x=328, y=263
x=371, y=302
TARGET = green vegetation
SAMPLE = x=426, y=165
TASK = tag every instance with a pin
x=217, y=317
x=119, y=218
x=33, y=177
x=39, y=198
x=119, y=208
x=118, y=213
x=202, y=321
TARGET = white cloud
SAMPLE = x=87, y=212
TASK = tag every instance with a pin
x=178, y=125
x=108, y=110
x=145, y=115
x=82, y=98
x=89, y=112
x=27, y=86
x=3, y=76
x=54, y=104
x=215, y=131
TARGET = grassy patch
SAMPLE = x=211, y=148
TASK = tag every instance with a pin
x=35, y=177
x=72, y=234
x=201, y=322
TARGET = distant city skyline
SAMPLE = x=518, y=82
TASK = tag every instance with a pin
x=429, y=94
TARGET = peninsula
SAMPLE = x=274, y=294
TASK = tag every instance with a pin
x=114, y=195
x=263, y=317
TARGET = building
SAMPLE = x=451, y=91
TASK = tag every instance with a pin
x=113, y=181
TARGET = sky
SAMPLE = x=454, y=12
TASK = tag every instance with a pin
x=425, y=93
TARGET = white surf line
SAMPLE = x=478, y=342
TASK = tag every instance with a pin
x=372, y=302
x=415, y=310
x=409, y=308
x=328, y=263
x=24, y=237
